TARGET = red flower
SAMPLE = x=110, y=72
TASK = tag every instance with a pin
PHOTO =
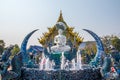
x=112, y=69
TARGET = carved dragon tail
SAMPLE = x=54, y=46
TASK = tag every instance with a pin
x=100, y=48
x=25, y=41
x=24, y=45
x=21, y=57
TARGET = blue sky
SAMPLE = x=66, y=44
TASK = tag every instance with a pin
x=19, y=17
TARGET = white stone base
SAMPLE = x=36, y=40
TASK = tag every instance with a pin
x=60, y=48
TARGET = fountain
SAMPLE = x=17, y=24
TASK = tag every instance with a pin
x=61, y=58
x=61, y=49
x=62, y=61
x=42, y=62
x=73, y=64
x=79, y=64
x=46, y=64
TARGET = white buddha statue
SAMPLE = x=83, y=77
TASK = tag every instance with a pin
x=60, y=41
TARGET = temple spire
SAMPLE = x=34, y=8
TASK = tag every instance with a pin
x=60, y=19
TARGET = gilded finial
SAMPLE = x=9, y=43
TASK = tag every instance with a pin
x=60, y=19
x=60, y=12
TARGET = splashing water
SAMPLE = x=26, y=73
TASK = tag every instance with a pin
x=79, y=64
x=75, y=64
x=62, y=61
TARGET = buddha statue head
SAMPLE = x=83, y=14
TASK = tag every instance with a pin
x=60, y=25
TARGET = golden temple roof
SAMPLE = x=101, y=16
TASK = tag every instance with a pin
x=48, y=37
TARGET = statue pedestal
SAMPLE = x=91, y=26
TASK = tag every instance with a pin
x=59, y=49
x=56, y=57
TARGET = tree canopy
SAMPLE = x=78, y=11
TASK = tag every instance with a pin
x=116, y=43
x=2, y=45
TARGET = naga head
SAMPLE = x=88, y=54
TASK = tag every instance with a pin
x=6, y=54
x=4, y=61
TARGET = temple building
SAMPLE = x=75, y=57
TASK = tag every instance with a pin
x=72, y=38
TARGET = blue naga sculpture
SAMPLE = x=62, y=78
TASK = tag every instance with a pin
x=100, y=49
x=17, y=62
x=106, y=66
x=5, y=64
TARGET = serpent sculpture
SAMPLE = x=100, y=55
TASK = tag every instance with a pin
x=5, y=64
x=100, y=49
x=17, y=61
x=106, y=67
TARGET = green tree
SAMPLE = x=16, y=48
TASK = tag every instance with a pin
x=2, y=45
x=116, y=43
x=90, y=46
x=15, y=50
x=107, y=42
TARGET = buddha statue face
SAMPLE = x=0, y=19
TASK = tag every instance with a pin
x=60, y=31
x=60, y=25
